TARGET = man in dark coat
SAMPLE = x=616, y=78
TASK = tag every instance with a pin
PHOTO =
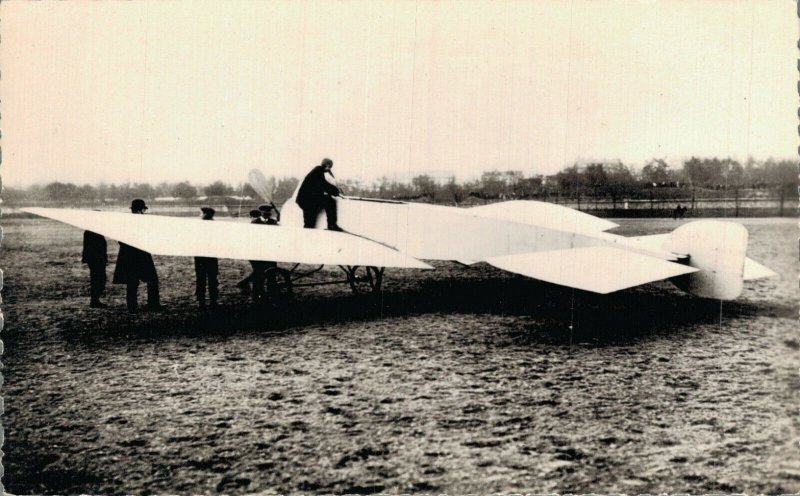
x=259, y=267
x=206, y=270
x=134, y=265
x=96, y=257
x=271, y=216
x=316, y=193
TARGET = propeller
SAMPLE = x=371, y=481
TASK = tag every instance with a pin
x=263, y=186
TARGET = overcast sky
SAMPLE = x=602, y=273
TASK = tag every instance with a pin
x=168, y=91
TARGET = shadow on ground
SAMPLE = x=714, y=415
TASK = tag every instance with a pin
x=562, y=316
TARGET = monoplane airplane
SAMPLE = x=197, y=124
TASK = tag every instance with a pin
x=544, y=241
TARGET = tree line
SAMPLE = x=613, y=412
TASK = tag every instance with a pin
x=614, y=181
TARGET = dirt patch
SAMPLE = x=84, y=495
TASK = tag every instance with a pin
x=458, y=380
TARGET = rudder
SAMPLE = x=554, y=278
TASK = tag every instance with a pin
x=719, y=250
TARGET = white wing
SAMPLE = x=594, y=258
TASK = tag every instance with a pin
x=600, y=269
x=544, y=214
x=179, y=236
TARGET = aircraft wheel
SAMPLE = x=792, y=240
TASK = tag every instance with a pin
x=364, y=280
x=283, y=279
x=288, y=285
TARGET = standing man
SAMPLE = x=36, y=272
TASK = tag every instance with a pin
x=271, y=216
x=316, y=193
x=96, y=257
x=259, y=267
x=134, y=265
x=206, y=270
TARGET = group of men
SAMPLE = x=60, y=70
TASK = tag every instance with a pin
x=316, y=193
x=133, y=266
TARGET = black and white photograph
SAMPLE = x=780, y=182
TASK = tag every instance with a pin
x=399, y=247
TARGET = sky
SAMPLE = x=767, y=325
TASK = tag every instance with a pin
x=145, y=91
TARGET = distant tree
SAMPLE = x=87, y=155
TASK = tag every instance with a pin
x=492, y=184
x=694, y=174
x=61, y=192
x=15, y=196
x=425, y=186
x=382, y=187
x=733, y=173
x=656, y=172
x=401, y=191
x=218, y=188
x=704, y=172
x=141, y=190
x=352, y=187
x=569, y=182
x=102, y=192
x=528, y=187
x=596, y=179
x=782, y=175
x=452, y=191
x=284, y=189
x=715, y=170
x=753, y=174
x=734, y=180
x=512, y=183
x=164, y=189
x=87, y=192
x=184, y=190
x=619, y=181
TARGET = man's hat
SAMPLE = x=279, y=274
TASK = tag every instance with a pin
x=255, y=213
x=265, y=208
x=208, y=210
x=138, y=205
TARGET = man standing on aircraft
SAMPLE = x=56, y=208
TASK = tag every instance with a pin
x=206, y=270
x=134, y=265
x=95, y=256
x=316, y=193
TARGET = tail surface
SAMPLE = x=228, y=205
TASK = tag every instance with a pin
x=719, y=250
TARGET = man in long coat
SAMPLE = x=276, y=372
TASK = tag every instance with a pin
x=271, y=216
x=134, y=265
x=96, y=257
x=206, y=270
x=257, y=276
x=316, y=193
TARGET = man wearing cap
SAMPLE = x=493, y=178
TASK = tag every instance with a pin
x=271, y=216
x=134, y=265
x=206, y=270
x=316, y=193
x=259, y=267
x=96, y=257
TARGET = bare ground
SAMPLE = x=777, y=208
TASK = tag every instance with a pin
x=458, y=380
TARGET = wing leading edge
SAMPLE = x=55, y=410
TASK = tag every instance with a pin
x=178, y=236
x=599, y=269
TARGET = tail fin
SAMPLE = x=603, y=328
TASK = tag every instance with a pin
x=719, y=250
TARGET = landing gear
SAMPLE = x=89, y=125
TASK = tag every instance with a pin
x=362, y=279
x=368, y=281
x=284, y=285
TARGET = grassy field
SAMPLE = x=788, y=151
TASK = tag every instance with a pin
x=456, y=380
